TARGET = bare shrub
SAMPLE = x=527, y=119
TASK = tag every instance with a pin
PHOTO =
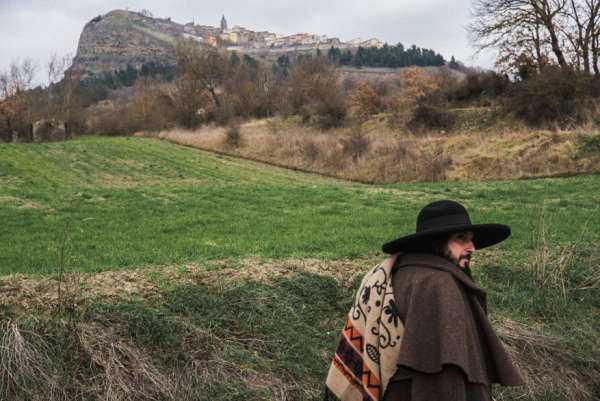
x=476, y=86
x=151, y=108
x=225, y=114
x=249, y=89
x=438, y=164
x=426, y=116
x=26, y=370
x=311, y=151
x=106, y=118
x=415, y=83
x=554, y=96
x=233, y=137
x=356, y=145
x=363, y=101
x=314, y=93
x=401, y=151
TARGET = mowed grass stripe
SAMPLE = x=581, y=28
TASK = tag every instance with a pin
x=129, y=202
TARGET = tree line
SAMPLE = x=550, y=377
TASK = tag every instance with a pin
x=210, y=85
x=387, y=56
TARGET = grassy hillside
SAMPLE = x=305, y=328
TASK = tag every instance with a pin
x=229, y=280
x=128, y=202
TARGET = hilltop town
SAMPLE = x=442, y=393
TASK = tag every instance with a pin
x=243, y=39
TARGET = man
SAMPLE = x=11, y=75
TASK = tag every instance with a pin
x=418, y=329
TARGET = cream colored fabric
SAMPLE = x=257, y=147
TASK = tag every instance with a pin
x=366, y=356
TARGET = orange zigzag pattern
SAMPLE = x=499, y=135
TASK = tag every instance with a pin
x=354, y=336
x=371, y=383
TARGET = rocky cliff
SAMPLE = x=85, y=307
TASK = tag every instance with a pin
x=121, y=38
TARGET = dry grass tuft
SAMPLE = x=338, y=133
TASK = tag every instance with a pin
x=553, y=265
x=233, y=137
x=26, y=294
x=26, y=367
x=546, y=366
x=73, y=289
x=125, y=372
x=210, y=370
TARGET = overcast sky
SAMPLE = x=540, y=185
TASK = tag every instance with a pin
x=36, y=29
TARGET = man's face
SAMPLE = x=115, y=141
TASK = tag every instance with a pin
x=460, y=247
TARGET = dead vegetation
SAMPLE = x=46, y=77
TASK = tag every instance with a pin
x=125, y=372
x=546, y=366
x=374, y=153
x=27, y=294
x=26, y=366
x=114, y=367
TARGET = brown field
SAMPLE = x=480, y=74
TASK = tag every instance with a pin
x=376, y=153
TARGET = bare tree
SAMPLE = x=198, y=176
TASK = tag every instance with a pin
x=582, y=33
x=564, y=32
x=206, y=65
x=548, y=14
x=14, y=103
x=63, y=83
x=55, y=70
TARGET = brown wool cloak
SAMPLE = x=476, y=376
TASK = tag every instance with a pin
x=445, y=323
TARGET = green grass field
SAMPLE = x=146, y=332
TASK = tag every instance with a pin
x=130, y=202
x=252, y=321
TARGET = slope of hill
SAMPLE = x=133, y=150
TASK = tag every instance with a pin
x=239, y=274
x=379, y=154
x=134, y=201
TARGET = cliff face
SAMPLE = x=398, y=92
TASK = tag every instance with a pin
x=121, y=38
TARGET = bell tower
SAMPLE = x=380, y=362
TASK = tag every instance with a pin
x=223, y=24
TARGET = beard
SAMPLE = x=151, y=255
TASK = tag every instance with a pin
x=466, y=258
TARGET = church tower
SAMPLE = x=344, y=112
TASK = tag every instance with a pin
x=223, y=24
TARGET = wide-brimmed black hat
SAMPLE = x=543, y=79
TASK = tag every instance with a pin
x=445, y=217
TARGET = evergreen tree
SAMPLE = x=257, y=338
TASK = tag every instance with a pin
x=234, y=59
x=347, y=58
x=281, y=68
x=386, y=56
x=334, y=55
x=453, y=64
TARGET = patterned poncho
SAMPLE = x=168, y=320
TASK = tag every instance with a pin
x=366, y=356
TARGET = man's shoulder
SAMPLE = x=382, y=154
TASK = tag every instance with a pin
x=424, y=266
x=422, y=274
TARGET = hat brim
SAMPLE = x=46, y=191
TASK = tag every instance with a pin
x=484, y=235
